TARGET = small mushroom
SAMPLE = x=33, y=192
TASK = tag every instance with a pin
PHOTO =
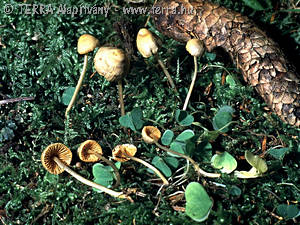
x=125, y=152
x=57, y=157
x=91, y=151
x=113, y=64
x=195, y=48
x=86, y=43
x=259, y=166
x=147, y=44
x=151, y=134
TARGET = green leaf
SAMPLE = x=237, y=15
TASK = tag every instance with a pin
x=288, y=211
x=102, y=172
x=102, y=175
x=185, y=135
x=171, y=161
x=254, y=4
x=278, y=153
x=177, y=147
x=67, y=95
x=133, y=119
x=162, y=166
x=222, y=118
x=235, y=190
x=137, y=118
x=167, y=137
x=209, y=136
x=224, y=161
x=198, y=203
x=126, y=121
x=183, y=118
x=231, y=81
x=257, y=162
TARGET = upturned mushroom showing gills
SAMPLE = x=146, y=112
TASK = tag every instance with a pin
x=195, y=48
x=91, y=151
x=57, y=157
x=113, y=64
x=151, y=135
x=86, y=43
x=125, y=152
x=147, y=44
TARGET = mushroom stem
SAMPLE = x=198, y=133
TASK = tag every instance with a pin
x=192, y=84
x=165, y=181
x=90, y=183
x=78, y=85
x=166, y=72
x=121, y=100
x=110, y=163
x=195, y=165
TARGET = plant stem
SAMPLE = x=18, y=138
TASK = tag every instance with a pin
x=110, y=163
x=165, y=181
x=121, y=100
x=171, y=82
x=90, y=183
x=195, y=165
x=78, y=85
x=192, y=84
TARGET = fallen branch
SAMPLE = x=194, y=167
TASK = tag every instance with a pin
x=11, y=100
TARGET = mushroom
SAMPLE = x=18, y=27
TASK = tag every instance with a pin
x=91, y=151
x=86, y=43
x=259, y=166
x=125, y=152
x=195, y=48
x=113, y=64
x=151, y=134
x=57, y=157
x=147, y=45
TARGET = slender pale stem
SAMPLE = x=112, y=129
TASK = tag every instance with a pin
x=110, y=163
x=121, y=100
x=195, y=165
x=90, y=183
x=78, y=85
x=186, y=102
x=165, y=181
x=162, y=65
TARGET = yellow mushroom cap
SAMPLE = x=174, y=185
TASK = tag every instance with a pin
x=146, y=43
x=58, y=150
x=119, y=150
x=87, y=43
x=112, y=63
x=150, y=134
x=195, y=47
x=87, y=149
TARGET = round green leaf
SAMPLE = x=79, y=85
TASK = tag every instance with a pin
x=162, y=166
x=126, y=121
x=102, y=172
x=67, y=95
x=137, y=118
x=167, y=137
x=198, y=203
x=220, y=120
x=183, y=118
x=288, y=211
x=235, y=190
x=185, y=135
x=224, y=161
x=278, y=153
x=257, y=162
x=171, y=161
x=177, y=147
